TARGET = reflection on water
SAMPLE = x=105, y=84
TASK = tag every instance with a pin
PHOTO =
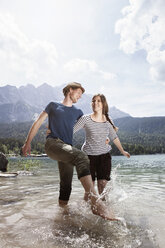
x=30, y=216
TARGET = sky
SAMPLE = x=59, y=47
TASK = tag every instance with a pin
x=114, y=47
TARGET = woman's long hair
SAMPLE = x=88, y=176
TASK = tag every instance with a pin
x=105, y=109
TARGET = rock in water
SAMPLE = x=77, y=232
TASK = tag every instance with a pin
x=10, y=174
x=3, y=162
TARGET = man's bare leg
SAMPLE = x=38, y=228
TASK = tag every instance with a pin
x=87, y=194
x=97, y=205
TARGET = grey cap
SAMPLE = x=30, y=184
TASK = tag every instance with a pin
x=74, y=86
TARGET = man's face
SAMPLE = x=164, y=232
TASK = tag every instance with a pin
x=75, y=95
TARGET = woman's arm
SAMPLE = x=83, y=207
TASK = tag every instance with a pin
x=79, y=124
x=36, y=125
x=119, y=146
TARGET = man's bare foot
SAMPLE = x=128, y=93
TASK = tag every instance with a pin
x=98, y=208
x=86, y=196
x=62, y=203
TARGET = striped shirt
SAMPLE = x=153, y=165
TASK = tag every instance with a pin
x=96, y=134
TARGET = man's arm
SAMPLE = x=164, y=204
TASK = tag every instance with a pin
x=36, y=125
x=119, y=146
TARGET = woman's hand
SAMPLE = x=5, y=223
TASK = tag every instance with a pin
x=26, y=148
x=116, y=129
x=126, y=154
x=107, y=141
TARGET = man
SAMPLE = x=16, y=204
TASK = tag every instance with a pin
x=62, y=117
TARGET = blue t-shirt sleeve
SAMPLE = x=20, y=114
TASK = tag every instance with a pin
x=49, y=107
x=80, y=114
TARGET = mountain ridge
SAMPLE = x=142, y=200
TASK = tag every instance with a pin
x=30, y=101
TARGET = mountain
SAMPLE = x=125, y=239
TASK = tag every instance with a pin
x=127, y=125
x=144, y=125
x=116, y=113
x=19, y=112
x=29, y=94
x=9, y=94
x=26, y=102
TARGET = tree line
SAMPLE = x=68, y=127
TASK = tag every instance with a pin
x=13, y=146
x=13, y=136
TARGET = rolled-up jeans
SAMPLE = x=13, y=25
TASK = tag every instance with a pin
x=67, y=157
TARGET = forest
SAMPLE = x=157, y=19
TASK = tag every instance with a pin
x=137, y=135
x=135, y=144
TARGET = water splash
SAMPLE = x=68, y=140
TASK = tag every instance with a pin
x=35, y=220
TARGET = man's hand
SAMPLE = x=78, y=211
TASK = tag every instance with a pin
x=26, y=149
x=34, y=129
x=48, y=131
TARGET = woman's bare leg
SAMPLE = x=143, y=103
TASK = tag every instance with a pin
x=101, y=185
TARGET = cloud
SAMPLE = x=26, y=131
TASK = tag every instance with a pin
x=142, y=27
x=24, y=58
x=108, y=75
x=83, y=66
x=131, y=99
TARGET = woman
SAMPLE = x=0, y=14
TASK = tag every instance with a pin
x=98, y=127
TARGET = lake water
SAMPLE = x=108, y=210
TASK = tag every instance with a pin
x=30, y=216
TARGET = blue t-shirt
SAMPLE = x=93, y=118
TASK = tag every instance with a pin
x=62, y=120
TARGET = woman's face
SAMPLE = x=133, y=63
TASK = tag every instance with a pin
x=97, y=104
